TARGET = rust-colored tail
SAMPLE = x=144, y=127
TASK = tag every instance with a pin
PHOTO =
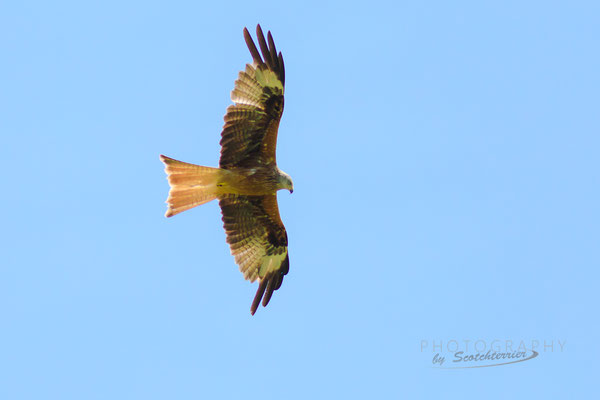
x=191, y=185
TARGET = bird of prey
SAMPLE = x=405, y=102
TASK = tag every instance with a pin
x=247, y=180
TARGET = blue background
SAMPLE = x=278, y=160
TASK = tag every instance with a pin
x=445, y=162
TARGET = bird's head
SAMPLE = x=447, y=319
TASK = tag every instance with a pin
x=286, y=181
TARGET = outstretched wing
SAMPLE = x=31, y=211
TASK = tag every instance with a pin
x=249, y=135
x=258, y=241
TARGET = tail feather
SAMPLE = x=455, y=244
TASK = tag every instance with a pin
x=191, y=185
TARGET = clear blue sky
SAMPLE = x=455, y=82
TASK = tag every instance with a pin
x=445, y=158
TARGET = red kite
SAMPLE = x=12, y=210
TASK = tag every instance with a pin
x=247, y=180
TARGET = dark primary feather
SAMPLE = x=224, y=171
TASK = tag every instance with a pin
x=252, y=47
x=259, y=294
x=281, y=69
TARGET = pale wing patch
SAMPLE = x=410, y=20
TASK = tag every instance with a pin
x=271, y=263
x=268, y=78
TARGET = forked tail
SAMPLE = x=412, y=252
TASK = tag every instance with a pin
x=191, y=185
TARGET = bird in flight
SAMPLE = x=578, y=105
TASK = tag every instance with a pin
x=247, y=180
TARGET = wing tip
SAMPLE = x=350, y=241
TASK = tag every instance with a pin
x=270, y=57
x=259, y=294
x=252, y=47
x=268, y=285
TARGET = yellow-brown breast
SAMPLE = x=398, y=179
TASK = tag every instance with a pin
x=257, y=181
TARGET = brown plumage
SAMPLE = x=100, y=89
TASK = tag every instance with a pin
x=247, y=180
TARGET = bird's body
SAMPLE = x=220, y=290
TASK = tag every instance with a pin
x=248, y=177
x=258, y=181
